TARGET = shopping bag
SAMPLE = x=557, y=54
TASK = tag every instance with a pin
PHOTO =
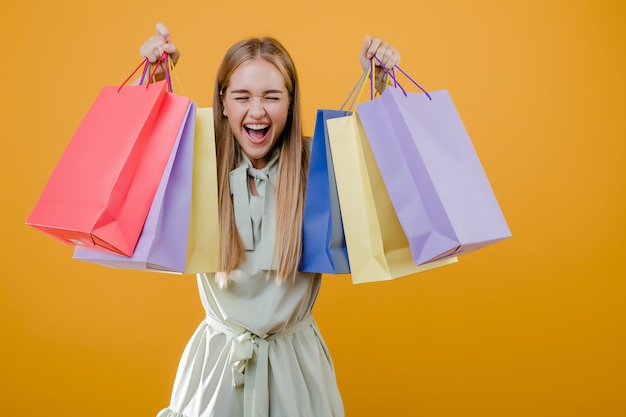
x=434, y=177
x=93, y=196
x=85, y=198
x=203, y=245
x=323, y=241
x=162, y=245
x=378, y=250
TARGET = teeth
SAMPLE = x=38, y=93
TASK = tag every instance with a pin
x=256, y=126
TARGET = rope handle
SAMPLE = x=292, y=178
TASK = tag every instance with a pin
x=147, y=69
x=394, y=78
x=360, y=84
x=357, y=90
x=145, y=63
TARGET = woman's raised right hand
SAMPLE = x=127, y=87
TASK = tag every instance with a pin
x=154, y=47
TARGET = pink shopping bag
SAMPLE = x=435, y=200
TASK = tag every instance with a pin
x=162, y=245
x=95, y=196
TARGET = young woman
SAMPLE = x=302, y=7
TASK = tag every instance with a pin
x=258, y=352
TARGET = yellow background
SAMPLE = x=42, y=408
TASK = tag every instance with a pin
x=533, y=326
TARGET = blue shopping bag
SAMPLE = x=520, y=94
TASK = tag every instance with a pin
x=324, y=244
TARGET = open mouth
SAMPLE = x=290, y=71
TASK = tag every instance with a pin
x=257, y=132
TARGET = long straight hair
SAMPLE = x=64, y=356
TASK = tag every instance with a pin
x=293, y=163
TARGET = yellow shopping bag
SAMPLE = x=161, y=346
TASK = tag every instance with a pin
x=378, y=249
x=203, y=244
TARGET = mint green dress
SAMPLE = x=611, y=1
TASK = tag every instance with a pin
x=258, y=352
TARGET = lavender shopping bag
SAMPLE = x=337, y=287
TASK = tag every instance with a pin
x=434, y=177
x=162, y=245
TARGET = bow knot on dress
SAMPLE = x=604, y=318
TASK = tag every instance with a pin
x=253, y=221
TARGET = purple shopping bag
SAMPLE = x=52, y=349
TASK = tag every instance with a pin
x=434, y=177
x=162, y=245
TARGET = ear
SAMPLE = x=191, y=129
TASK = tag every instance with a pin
x=225, y=111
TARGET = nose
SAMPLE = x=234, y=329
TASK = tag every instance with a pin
x=257, y=110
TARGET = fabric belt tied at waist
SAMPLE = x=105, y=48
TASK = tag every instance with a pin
x=249, y=360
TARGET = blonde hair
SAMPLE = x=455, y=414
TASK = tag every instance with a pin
x=293, y=163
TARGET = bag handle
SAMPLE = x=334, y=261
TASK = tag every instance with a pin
x=373, y=77
x=170, y=69
x=169, y=66
x=357, y=90
x=145, y=63
x=360, y=84
x=164, y=57
x=392, y=75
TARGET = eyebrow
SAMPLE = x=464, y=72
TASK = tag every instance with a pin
x=243, y=91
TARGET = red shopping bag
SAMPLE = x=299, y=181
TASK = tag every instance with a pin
x=181, y=232
x=95, y=196
x=162, y=245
